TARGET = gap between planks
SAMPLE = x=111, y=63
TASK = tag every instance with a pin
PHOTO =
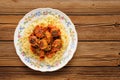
x=81, y=20
x=105, y=27
x=69, y=6
x=66, y=73
x=87, y=54
x=88, y=27
x=87, y=33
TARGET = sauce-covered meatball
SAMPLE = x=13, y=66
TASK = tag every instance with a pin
x=55, y=32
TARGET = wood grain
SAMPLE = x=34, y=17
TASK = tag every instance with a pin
x=85, y=32
x=87, y=54
x=66, y=73
x=81, y=20
x=98, y=26
x=104, y=27
x=69, y=6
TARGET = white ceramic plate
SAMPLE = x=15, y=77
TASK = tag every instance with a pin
x=68, y=54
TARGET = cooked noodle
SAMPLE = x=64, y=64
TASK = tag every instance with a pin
x=45, y=21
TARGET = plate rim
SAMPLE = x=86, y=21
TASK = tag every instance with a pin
x=17, y=51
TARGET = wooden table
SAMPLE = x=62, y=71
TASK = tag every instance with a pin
x=98, y=26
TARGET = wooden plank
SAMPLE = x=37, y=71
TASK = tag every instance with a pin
x=98, y=32
x=81, y=20
x=81, y=7
x=10, y=18
x=66, y=73
x=85, y=32
x=87, y=54
x=6, y=30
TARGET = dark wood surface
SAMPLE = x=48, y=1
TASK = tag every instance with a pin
x=98, y=53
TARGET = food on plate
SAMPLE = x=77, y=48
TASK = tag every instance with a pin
x=45, y=39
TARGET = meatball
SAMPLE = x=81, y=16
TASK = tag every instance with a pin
x=33, y=41
x=55, y=32
x=39, y=31
x=57, y=44
x=43, y=44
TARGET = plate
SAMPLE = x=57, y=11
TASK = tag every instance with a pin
x=67, y=55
